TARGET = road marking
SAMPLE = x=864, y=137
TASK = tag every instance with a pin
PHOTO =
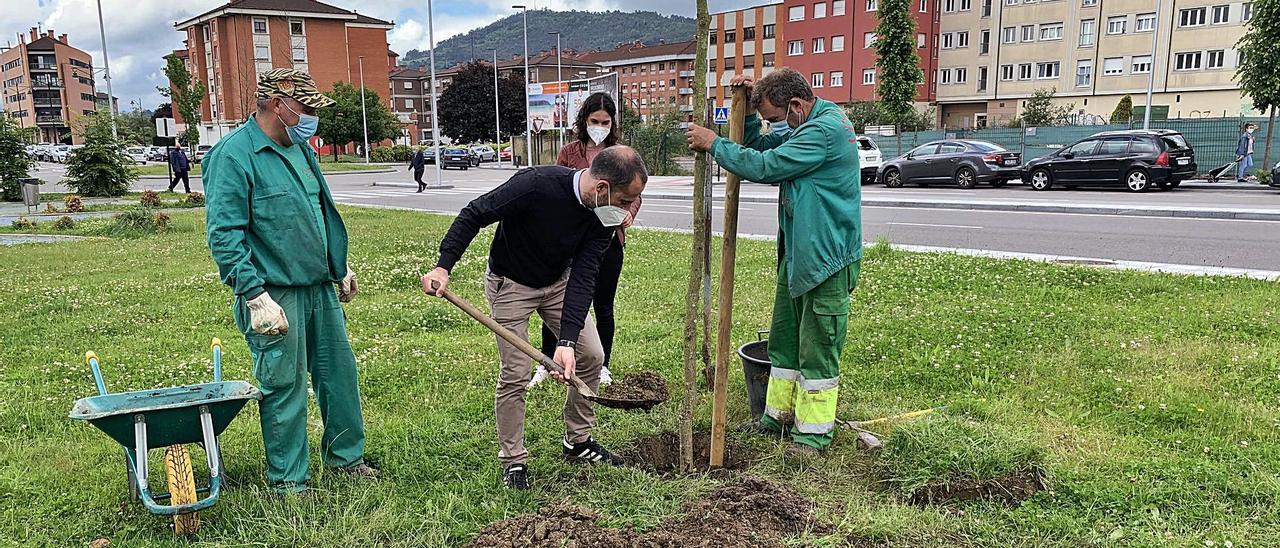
x=935, y=225
x=1144, y=217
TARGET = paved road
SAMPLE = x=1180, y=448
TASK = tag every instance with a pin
x=1228, y=243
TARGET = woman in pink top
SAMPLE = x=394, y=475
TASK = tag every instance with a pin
x=595, y=129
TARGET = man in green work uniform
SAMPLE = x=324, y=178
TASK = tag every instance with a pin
x=811, y=153
x=280, y=244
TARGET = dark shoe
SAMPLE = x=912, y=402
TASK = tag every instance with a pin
x=802, y=451
x=757, y=428
x=362, y=470
x=516, y=476
x=590, y=451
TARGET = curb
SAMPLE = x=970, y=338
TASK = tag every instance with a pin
x=357, y=172
x=410, y=185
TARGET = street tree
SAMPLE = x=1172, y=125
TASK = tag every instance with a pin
x=15, y=163
x=1260, y=53
x=187, y=94
x=136, y=127
x=466, y=106
x=343, y=122
x=100, y=168
x=1123, y=113
x=897, y=63
x=1040, y=110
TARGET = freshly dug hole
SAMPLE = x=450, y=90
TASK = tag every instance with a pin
x=640, y=390
x=661, y=453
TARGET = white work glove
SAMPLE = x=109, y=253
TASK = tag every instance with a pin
x=347, y=288
x=266, y=316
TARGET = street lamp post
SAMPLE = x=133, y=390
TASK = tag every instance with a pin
x=497, y=114
x=560, y=78
x=435, y=121
x=364, y=116
x=528, y=135
x=1151, y=78
x=106, y=72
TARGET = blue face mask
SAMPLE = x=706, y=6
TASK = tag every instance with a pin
x=305, y=128
x=781, y=128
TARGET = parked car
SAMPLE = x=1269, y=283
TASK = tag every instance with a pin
x=157, y=154
x=869, y=158
x=1136, y=159
x=201, y=150
x=485, y=152
x=429, y=155
x=964, y=163
x=137, y=154
x=31, y=150
x=505, y=155
x=455, y=157
x=60, y=153
x=45, y=153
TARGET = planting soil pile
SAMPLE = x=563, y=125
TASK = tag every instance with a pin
x=641, y=390
x=661, y=453
x=1009, y=489
x=748, y=513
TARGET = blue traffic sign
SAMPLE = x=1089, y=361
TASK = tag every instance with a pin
x=721, y=116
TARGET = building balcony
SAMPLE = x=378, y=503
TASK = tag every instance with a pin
x=686, y=74
x=686, y=108
x=46, y=83
x=49, y=120
x=686, y=91
x=49, y=68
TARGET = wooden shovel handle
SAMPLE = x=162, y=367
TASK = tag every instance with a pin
x=519, y=343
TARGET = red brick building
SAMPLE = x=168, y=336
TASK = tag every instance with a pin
x=229, y=46
x=47, y=85
x=655, y=79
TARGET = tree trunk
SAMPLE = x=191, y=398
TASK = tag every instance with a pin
x=1266, y=154
x=697, y=255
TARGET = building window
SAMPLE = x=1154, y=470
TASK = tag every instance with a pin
x=819, y=45
x=1190, y=60
x=949, y=6
x=1117, y=25
x=712, y=38
x=837, y=79
x=1006, y=72
x=730, y=36
x=1239, y=58
x=730, y=63
x=205, y=30
x=769, y=31
x=1112, y=66
x=986, y=8
x=259, y=25
x=408, y=85
x=748, y=62
x=819, y=10
x=837, y=43
x=1051, y=31
x=921, y=41
x=748, y=33
x=984, y=44
x=262, y=53
x=1141, y=64
x=296, y=27
x=768, y=60
x=795, y=13
x=817, y=79
x=1084, y=73
x=868, y=39
x=924, y=6
x=1221, y=15
x=1009, y=35
x=1024, y=71
x=962, y=39
x=408, y=104
x=300, y=54
x=837, y=8
x=711, y=67
x=873, y=5
x=1192, y=17
x=1145, y=22
x=1048, y=71
x=982, y=78
x=1088, y=28
x=1246, y=12
x=962, y=75
x=1216, y=59
x=1028, y=33
x=944, y=76
x=1088, y=3
x=948, y=40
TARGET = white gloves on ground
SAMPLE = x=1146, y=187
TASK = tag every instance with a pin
x=266, y=316
x=347, y=288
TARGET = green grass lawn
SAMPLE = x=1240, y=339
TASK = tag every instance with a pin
x=1149, y=400
x=325, y=167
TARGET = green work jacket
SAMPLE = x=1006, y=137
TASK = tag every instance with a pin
x=261, y=226
x=819, y=192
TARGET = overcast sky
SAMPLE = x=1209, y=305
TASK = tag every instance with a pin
x=140, y=32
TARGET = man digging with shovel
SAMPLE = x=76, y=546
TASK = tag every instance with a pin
x=811, y=153
x=554, y=225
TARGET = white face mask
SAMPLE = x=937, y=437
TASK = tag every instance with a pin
x=609, y=215
x=598, y=134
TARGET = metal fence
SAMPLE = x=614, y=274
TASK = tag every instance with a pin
x=1214, y=139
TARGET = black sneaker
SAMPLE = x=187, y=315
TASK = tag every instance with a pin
x=590, y=451
x=516, y=476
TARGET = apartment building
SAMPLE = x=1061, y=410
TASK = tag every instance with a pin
x=743, y=41
x=47, y=85
x=230, y=45
x=993, y=55
x=655, y=79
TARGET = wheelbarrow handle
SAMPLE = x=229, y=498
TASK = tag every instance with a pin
x=516, y=341
x=216, y=346
x=92, y=360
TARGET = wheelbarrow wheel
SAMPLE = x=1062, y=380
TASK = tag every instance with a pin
x=182, y=487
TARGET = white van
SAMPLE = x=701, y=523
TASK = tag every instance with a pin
x=869, y=158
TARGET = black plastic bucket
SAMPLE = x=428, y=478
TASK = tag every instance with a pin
x=755, y=369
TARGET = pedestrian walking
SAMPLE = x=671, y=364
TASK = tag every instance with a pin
x=418, y=163
x=181, y=167
x=1244, y=152
x=281, y=245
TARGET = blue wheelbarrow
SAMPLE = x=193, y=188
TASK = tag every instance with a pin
x=169, y=418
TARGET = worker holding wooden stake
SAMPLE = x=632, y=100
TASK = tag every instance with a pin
x=811, y=153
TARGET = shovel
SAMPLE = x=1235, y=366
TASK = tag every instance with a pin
x=542, y=359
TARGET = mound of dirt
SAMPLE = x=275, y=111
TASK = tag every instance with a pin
x=641, y=390
x=661, y=453
x=748, y=513
x=1010, y=489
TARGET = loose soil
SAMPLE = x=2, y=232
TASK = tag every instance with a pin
x=747, y=513
x=1010, y=489
x=641, y=390
x=661, y=453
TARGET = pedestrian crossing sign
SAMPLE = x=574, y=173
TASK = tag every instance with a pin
x=721, y=116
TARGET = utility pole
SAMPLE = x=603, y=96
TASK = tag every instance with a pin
x=435, y=123
x=497, y=114
x=528, y=135
x=106, y=73
x=1151, y=78
x=364, y=116
x=560, y=78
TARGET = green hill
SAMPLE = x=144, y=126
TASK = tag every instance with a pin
x=582, y=31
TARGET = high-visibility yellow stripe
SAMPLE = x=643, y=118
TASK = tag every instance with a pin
x=816, y=408
x=780, y=400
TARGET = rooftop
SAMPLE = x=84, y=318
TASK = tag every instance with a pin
x=305, y=7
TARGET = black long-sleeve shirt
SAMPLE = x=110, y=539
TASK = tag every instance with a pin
x=543, y=228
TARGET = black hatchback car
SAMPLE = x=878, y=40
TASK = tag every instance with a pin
x=455, y=157
x=964, y=163
x=1135, y=159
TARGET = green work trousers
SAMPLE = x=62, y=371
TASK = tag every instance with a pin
x=316, y=346
x=805, y=341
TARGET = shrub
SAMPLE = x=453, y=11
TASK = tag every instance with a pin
x=150, y=198
x=135, y=220
x=195, y=199
x=1263, y=175
x=161, y=221
x=72, y=204
x=100, y=168
x=15, y=163
x=64, y=223
x=50, y=208
x=23, y=223
x=396, y=153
